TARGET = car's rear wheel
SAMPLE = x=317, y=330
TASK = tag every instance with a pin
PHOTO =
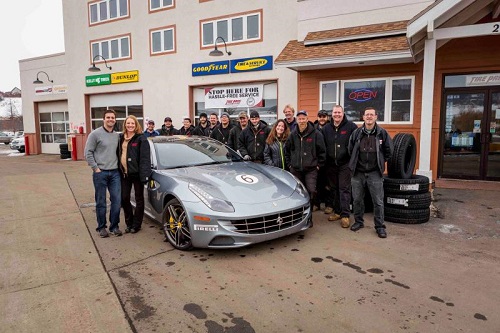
x=176, y=226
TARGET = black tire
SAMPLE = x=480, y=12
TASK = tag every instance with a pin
x=407, y=216
x=404, y=157
x=176, y=226
x=407, y=201
x=414, y=185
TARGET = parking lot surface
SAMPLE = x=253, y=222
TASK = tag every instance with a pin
x=59, y=276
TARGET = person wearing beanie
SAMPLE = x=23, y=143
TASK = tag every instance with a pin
x=202, y=128
x=252, y=140
x=221, y=131
x=235, y=132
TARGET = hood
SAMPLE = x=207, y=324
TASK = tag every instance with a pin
x=238, y=182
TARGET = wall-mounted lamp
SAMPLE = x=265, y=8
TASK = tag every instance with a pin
x=38, y=81
x=217, y=53
x=94, y=68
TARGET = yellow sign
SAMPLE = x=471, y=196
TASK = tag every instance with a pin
x=125, y=77
x=250, y=64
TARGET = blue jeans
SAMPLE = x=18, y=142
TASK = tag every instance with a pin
x=110, y=180
x=375, y=183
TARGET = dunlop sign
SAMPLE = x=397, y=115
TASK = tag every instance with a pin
x=97, y=80
x=125, y=77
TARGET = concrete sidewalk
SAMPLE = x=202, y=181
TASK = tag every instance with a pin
x=52, y=278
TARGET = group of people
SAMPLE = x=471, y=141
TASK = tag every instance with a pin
x=333, y=158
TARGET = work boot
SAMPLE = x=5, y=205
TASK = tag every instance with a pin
x=328, y=210
x=334, y=217
x=315, y=208
x=344, y=222
x=356, y=226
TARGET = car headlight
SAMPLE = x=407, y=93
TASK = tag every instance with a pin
x=213, y=203
x=301, y=190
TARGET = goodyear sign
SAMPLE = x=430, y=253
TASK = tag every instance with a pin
x=97, y=80
x=125, y=77
x=210, y=68
x=264, y=63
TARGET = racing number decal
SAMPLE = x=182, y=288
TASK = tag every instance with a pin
x=495, y=28
x=247, y=179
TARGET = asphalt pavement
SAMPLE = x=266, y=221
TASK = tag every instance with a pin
x=58, y=276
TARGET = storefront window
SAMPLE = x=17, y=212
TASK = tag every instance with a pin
x=267, y=107
x=391, y=97
x=54, y=127
x=122, y=112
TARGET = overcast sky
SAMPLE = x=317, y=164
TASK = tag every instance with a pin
x=29, y=28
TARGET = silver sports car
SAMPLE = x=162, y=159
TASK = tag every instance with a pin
x=206, y=196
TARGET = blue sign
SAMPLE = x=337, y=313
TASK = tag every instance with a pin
x=210, y=68
x=254, y=64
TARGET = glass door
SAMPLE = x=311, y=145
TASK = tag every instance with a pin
x=492, y=138
x=463, y=125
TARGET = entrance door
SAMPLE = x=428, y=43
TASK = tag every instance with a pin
x=471, y=135
x=493, y=138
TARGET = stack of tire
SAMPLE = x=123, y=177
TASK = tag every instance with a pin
x=65, y=153
x=406, y=196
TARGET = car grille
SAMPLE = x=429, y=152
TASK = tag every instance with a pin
x=270, y=223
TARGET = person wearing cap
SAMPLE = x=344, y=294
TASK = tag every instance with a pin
x=252, y=140
x=202, y=128
x=289, y=113
x=337, y=133
x=305, y=149
x=168, y=129
x=324, y=194
x=235, y=132
x=214, y=121
x=221, y=131
x=150, y=130
x=187, y=128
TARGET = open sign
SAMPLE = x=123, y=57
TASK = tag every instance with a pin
x=362, y=95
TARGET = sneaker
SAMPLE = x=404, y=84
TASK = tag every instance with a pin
x=134, y=230
x=103, y=233
x=328, y=210
x=117, y=232
x=127, y=230
x=344, y=222
x=334, y=217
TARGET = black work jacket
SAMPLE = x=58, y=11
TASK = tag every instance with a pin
x=306, y=150
x=186, y=131
x=337, y=141
x=234, y=135
x=200, y=130
x=274, y=154
x=384, y=147
x=221, y=134
x=168, y=131
x=138, y=157
x=252, y=142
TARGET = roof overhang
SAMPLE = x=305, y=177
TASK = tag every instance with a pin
x=348, y=61
x=446, y=14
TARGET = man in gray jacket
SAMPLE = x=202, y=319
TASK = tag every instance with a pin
x=101, y=155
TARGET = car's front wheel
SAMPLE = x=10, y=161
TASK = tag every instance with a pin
x=176, y=226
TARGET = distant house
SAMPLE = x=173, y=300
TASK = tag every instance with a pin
x=16, y=92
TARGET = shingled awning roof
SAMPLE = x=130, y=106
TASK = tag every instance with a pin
x=370, y=44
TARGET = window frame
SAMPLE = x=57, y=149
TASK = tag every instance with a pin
x=229, y=19
x=161, y=8
x=109, y=41
x=388, y=96
x=162, y=31
x=97, y=4
x=321, y=102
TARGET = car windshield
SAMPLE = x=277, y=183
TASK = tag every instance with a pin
x=181, y=154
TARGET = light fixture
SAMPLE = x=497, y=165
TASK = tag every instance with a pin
x=94, y=68
x=38, y=81
x=216, y=52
